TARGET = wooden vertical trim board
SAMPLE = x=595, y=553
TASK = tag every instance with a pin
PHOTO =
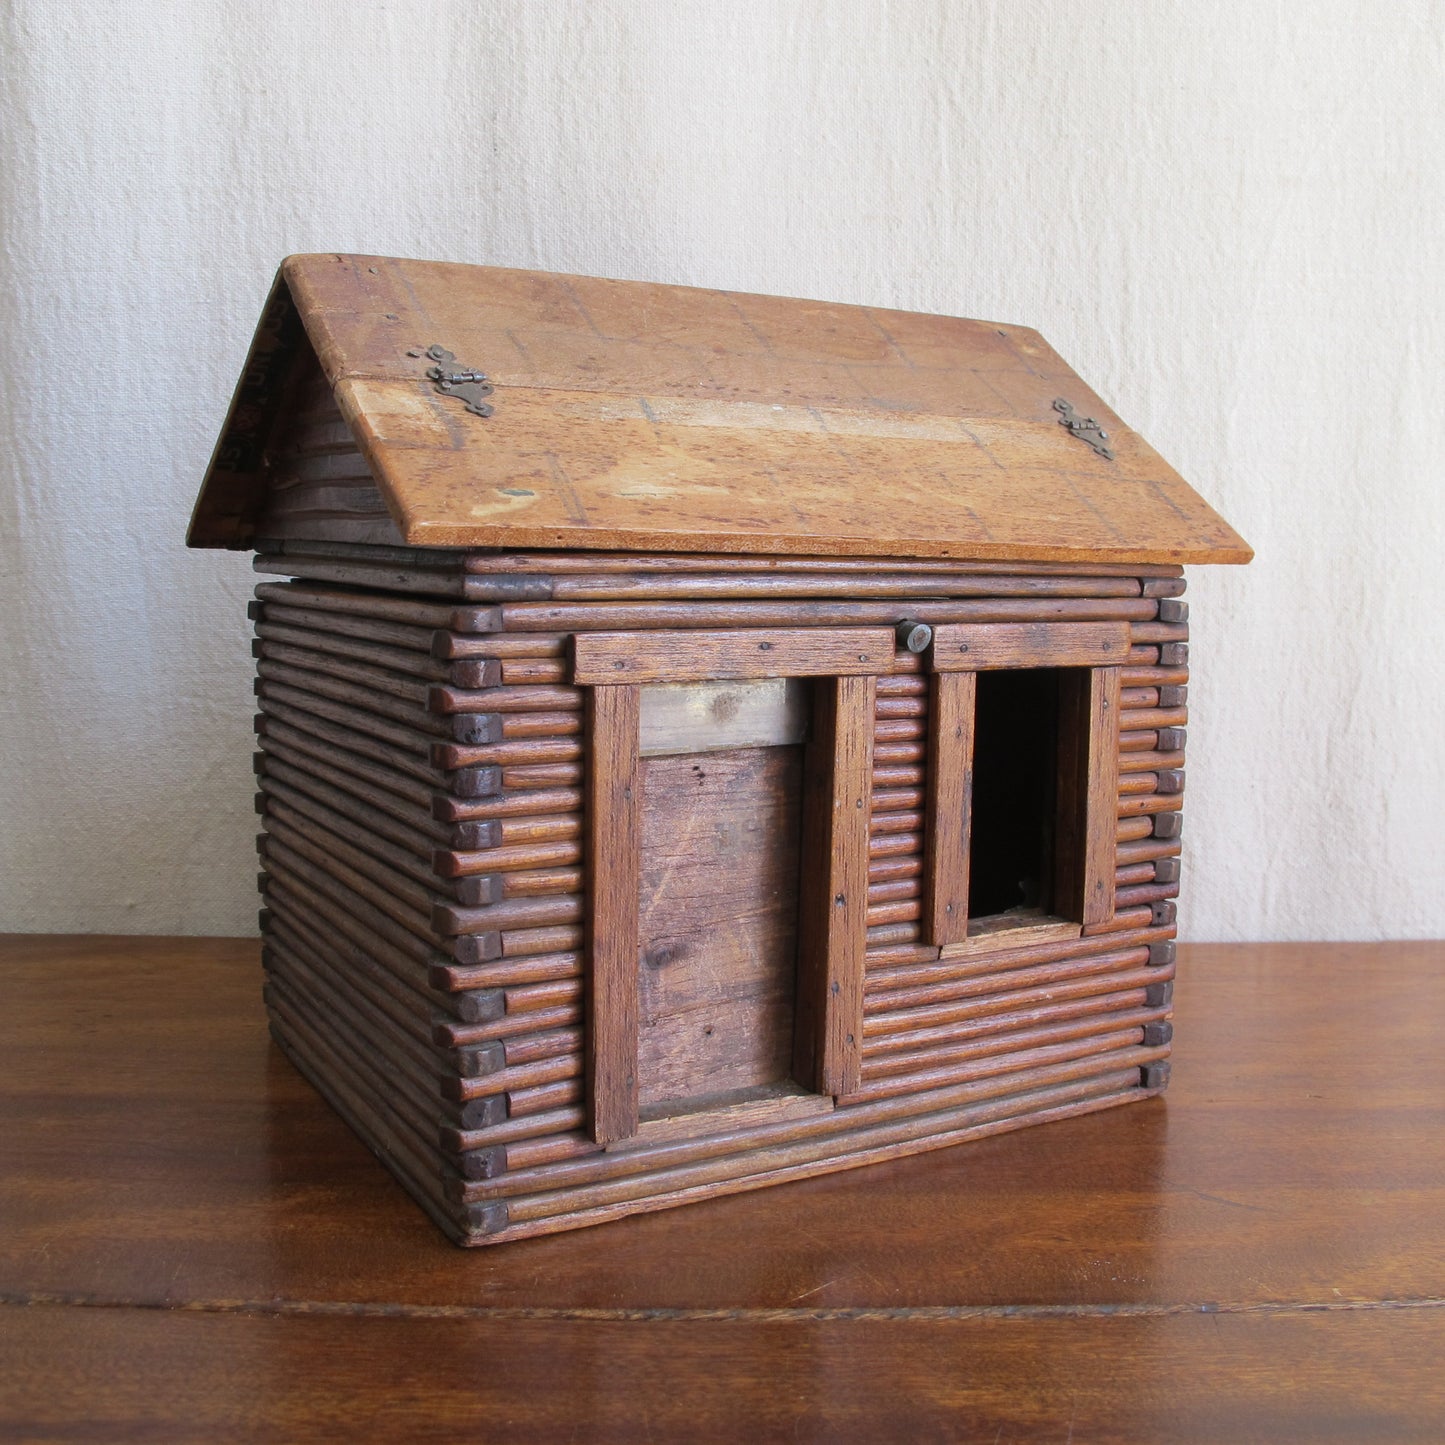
x=614, y=806
x=949, y=804
x=837, y=789
x=1088, y=794
x=1103, y=793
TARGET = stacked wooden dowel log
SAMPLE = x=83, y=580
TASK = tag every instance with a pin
x=422, y=785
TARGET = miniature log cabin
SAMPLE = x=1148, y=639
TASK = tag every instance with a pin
x=706, y=739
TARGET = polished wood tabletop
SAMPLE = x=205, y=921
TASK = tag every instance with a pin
x=192, y=1247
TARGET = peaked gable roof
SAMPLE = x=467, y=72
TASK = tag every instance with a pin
x=636, y=416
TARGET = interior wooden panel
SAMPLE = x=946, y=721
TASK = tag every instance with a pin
x=715, y=716
x=718, y=923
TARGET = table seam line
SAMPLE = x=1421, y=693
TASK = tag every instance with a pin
x=361, y=1309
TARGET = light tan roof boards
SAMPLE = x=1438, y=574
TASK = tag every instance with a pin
x=639, y=417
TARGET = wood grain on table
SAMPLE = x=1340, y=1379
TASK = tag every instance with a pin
x=193, y=1247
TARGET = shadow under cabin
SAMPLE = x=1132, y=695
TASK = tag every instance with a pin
x=706, y=740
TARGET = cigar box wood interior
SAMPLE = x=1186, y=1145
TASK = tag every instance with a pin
x=785, y=776
x=718, y=925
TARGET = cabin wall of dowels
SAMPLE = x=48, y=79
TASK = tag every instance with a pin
x=421, y=785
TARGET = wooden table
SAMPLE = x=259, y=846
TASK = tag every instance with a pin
x=193, y=1248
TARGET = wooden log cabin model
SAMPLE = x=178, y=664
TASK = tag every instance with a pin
x=706, y=740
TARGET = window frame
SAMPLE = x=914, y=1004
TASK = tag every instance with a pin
x=1089, y=656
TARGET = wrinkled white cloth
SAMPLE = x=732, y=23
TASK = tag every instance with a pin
x=1227, y=217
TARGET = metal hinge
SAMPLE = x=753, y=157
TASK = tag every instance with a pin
x=469, y=387
x=1084, y=427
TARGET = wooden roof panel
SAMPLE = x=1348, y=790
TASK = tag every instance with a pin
x=642, y=417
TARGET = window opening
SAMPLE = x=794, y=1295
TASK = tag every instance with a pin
x=1013, y=834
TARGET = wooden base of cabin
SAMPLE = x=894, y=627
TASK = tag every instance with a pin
x=598, y=883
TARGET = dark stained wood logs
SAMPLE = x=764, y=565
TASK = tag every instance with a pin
x=570, y=912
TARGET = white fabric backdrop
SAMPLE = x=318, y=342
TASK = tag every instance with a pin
x=1228, y=217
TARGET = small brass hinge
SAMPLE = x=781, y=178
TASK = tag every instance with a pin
x=1084, y=427
x=469, y=387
